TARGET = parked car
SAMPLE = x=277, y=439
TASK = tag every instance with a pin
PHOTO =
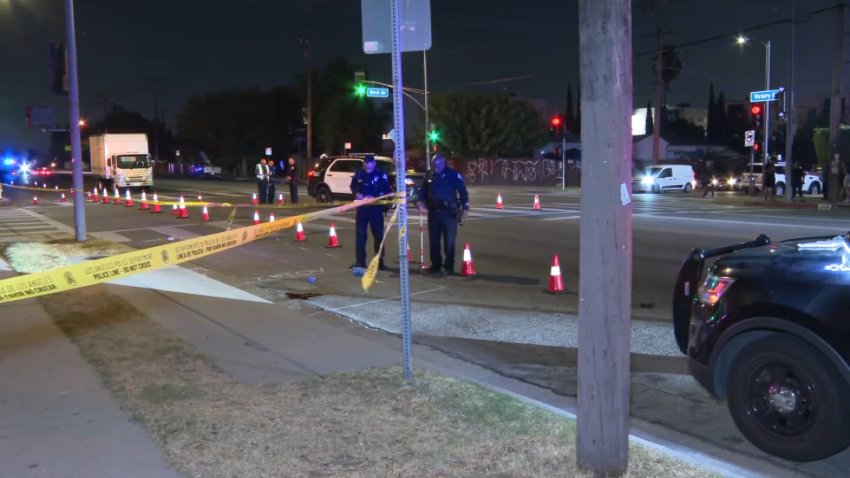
x=812, y=183
x=331, y=177
x=768, y=329
x=671, y=177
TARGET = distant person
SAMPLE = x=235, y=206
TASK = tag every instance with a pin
x=271, y=190
x=706, y=183
x=292, y=177
x=768, y=181
x=797, y=175
x=262, y=173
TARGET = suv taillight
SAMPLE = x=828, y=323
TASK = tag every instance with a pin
x=713, y=288
x=310, y=174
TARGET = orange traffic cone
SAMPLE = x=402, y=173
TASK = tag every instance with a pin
x=117, y=198
x=156, y=207
x=62, y=198
x=174, y=210
x=271, y=217
x=254, y=199
x=300, y=236
x=205, y=215
x=556, y=281
x=536, y=205
x=182, y=212
x=128, y=200
x=499, y=204
x=35, y=200
x=145, y=206
x=94, y=196
x=409, y=254
x=333, y=240
x=280, y=199
x=256, y=217
x=105, y=196
x=468, y=269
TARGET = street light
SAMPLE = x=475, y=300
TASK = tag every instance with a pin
x=742, y=40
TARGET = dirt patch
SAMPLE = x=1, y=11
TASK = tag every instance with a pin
x=27, y=257
x=360, y=424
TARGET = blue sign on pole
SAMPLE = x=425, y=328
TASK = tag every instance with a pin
x=378, y=92
x=766, y=95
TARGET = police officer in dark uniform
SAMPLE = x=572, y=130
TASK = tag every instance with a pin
x=444, y=194
x=369, y=182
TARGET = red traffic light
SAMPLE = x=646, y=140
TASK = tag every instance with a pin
x=556, y=121
x=755, y=147
x=756, y=110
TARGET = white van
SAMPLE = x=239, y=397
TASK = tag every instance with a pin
x=668, y=177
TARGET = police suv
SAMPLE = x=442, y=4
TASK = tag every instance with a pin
x=331, y=177
x=767, y=327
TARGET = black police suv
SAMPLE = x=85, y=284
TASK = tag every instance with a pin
x=331, y=177
x=767, y=327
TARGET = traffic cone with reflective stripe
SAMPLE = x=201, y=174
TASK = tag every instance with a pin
x=62, y=198
x=156, y=207
x=280, y=199
x=145, y=206
x=300, y=236
x=94, y=195
x=333, y=240
x=205, y=215
x=128, y=200
x=254, y=199
x=271, y=216
x=174, y=209
x=117, y=198
x=468, y=268
x=182, y=212
x=35, y=200
x=409, y=254
x=256, y=217
x=536, y=205
x=556, y=281
x=499, y=204
x=105, y=196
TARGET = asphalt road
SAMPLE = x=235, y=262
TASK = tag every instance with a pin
x=502, y=318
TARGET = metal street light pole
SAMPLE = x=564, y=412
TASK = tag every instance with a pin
x=74, y=123
x=427, y=122
x=790, y=111
x=767, y=109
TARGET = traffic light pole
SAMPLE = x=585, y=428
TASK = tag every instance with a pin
x=752, y=172
x=767, y=109
x=427, y=123
x=74, y=123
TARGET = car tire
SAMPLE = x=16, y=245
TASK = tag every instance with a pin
x=788, y=399
x=323, y=194
x=688, y=188
x=814, y=189
x=656, y=189
x=780, y=189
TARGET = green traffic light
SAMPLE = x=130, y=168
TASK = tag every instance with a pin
x=434, y=136
x=360, y=90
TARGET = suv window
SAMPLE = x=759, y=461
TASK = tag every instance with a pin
x=346, y=165
x=666, y=173
x=386, y=166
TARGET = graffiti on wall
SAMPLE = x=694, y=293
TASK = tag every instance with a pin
x=484, y=171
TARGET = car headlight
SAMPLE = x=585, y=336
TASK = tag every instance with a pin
x=647, y=180
x=25, y=168
x=408, y=182
x=714, y=181
x=733, y=181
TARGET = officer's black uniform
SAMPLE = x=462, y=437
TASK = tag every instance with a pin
x=292, y=174
x=262, y=183
x=369, y=185
x=271, y=191
x=440, y=194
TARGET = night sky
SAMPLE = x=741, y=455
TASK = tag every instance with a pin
x=187, y=47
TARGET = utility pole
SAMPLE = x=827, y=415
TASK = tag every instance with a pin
x=605, y=290
x=790, y=111
x=834, y=160
x=74, y=123
x=427, y=121
x=767, y=114
x=656, y=130
x=309, y=65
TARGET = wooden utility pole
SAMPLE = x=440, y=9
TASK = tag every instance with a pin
x=605, y=32
x=834, y=161
x=656, y=132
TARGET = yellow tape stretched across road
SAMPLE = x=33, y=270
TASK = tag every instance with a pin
x=98, y=271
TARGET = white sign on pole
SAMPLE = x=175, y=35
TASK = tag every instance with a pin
x=348, y=146
x=749, y=138
x=268, y=151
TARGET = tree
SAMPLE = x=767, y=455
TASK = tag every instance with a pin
x=722, y=129
x=650, y=127
x=491, y=125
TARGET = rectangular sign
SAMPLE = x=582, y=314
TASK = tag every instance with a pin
x=378, y=92
x=766, y=95
x=749, y=138
x=377, y=30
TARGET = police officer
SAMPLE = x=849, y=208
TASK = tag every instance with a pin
x=369, y=182
x=262, y=173
x=444, y=194
x=292, y=177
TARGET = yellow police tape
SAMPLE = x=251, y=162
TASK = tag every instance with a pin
x=122, y=265
x=372, y=271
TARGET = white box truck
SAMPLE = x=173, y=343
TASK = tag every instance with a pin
x=121, y=160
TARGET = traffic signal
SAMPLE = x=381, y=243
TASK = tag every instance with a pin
x=434, y=136
x=556, y=123
x=755, y=112
x=360, y=90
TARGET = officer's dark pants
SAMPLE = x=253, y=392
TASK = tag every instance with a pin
x=369, y=217
x=262, y=190
x=270, y=194
x=442, y=226
x=293, y=191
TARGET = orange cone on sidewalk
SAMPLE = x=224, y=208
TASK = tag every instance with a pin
x=300, y=236
x=205, y=215
x=271, y=216
x=145, y=206
x=254, y=199
x=468, y=268
x=499, y=204
x=280, y=199
x=62, y=198
x=333, y=240
x=128, y=200
x=35, y=200
x=556, y=281
x=256, y=217
x=156, y=207
x=536, y=205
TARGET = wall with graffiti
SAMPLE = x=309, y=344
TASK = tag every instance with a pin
x=516, y=171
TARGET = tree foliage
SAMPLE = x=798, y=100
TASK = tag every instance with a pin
x=474, y=124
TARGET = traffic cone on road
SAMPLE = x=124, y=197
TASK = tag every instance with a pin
x=174, y=210
x=254, y=199
x=156, y=207
x=280, y=199
x=256, y=217
x=499, y=204
x=35, y=200
x=105, y=196
x=468, y=268
x=409, y=254
x=556, y=281
x=128, y=200
x=333, y=240
x=536, y=205
x=145, y=206
x=182, y=212
x=205, y=215
x=271, y=216
x=300, y=236
x=117, y=198
x=94, y=196
x=62, y=197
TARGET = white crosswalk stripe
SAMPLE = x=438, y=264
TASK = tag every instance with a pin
x=19, y=224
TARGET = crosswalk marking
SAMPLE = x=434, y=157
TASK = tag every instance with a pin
x=21, y=224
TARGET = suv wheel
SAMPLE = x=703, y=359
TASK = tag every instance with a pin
x=656, y=189
x=323, y=194
x=814, y=189
x=788, y=399
x=688, y=188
